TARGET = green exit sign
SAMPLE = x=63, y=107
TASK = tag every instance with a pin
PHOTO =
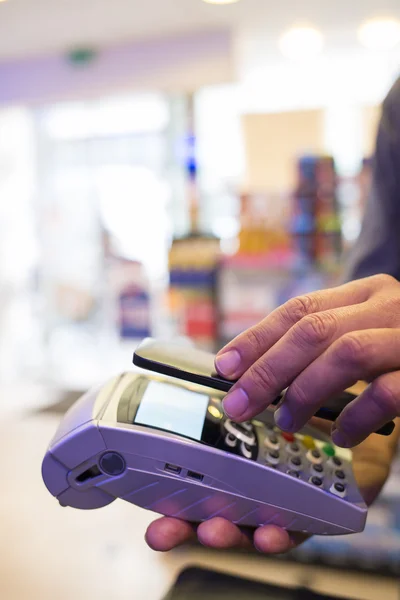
x=81, y=56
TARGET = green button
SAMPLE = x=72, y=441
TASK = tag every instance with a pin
x=329, y=450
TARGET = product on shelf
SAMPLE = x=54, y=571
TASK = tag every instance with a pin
x=193, y=265
x=287, y=245
x=263, y=232
x=266, y=270
x=131, y=293
x=316, y=224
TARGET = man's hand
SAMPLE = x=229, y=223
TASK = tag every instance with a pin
x=317, y=346
x=371, y=465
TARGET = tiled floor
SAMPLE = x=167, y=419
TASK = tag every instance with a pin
x=50, y=553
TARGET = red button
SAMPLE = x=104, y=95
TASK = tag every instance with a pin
x=288, y=437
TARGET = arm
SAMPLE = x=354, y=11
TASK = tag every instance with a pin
x=378, y=247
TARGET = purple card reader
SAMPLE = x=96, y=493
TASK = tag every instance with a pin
x=165, y=445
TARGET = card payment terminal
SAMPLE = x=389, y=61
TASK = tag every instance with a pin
x=166, y=445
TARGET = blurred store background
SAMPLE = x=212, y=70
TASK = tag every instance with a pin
x=177, y=168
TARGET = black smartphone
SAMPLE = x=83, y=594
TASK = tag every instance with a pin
x=197, y=366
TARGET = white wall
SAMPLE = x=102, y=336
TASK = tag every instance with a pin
x=182, y=63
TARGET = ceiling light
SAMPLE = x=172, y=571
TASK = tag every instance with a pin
x=380, y=34
x=220, y=1
x=301, y=43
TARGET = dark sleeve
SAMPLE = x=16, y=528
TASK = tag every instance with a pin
x=378, y=247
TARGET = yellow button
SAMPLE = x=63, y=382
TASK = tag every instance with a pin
x=308, y=442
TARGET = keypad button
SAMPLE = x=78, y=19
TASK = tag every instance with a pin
x=314, y=456
x=294, y=448
x=340, y=474
x=318, y=468
x=289, y=437
x=247, y=437
x=308, y=442
x=329, y=450
x=295, y=461
x=245, y=428
x=272, y=457
x=272, y=441
x=246, y=450
x=336, y=461
x=231, y=440
x=317, y=481
x=293, y=473
x=339, y=489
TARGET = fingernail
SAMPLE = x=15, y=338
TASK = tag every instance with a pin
x=283, y=418
x=236, y=403
x=228, y=363
x=340, y=439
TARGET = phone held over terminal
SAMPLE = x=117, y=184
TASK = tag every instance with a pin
x=197, y=366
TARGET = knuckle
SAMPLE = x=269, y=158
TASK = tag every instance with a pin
x=256, y=339
x=262, y=376
x=383, y=279
x=390, y=306
x=315, y=329
x=351, y=349
x=298, y=308
x=296, y=395
x=347, y=422
x=386, y=396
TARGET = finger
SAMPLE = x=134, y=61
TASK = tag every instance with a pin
x=237, y=356
x=274, y=540
x=221, y=534
x=376, y=406
x=359, y=355
x=167, y=533
x=293, y=353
